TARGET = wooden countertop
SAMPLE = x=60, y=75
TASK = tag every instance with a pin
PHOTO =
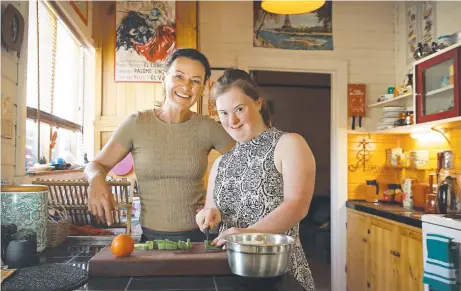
x=390, y=211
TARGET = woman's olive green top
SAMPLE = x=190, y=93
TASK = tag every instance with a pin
x=170, y=161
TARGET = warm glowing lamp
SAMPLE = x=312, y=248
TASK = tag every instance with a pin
x=291, y=7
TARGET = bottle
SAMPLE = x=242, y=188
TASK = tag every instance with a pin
x=407, y=193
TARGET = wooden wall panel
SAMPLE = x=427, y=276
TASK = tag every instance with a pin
x=381, y=142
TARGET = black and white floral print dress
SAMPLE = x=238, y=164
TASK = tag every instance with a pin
x=248, y=187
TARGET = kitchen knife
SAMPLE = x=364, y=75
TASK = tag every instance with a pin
x=207, y=234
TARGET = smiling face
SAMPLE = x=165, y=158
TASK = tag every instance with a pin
x=240, y=115
x=184, y=82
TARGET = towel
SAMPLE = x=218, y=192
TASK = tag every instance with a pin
x=440, y=266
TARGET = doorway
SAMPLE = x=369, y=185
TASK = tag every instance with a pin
x=292, y=62
x=300, y=103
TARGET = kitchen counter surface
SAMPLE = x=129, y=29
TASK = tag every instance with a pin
x=77, y=251
x=390, y=211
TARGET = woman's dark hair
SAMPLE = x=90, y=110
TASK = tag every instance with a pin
x=244, y=82
x=192, y=54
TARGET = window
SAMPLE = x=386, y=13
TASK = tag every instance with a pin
x=55, y=89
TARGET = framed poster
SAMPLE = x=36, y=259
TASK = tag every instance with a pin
x=206, y=105
x=81, y=8
x=145, y=36
x=305, y=31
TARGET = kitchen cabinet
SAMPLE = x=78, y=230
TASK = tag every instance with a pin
x=411, y=262
x=437, y=86
x=382, y=254
x=357, y=252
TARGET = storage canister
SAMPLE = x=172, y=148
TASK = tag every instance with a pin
x=26, y=207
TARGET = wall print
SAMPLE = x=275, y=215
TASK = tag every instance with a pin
x=207, y=106
x=420, y=23
x=412, y=30
x=427, y=22
x=81, y=8
x=307, y=31
x=145, y=36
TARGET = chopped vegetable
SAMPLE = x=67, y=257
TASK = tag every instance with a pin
x=210, y=247
x=164, y=245
x=161, y=244
x=141, y=246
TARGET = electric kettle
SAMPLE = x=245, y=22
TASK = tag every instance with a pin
x=447, y=197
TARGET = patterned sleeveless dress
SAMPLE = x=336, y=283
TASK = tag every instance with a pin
x=248, y=187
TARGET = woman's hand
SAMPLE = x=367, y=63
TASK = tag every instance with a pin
x=101, y=200
x=219, y=242
x=208, y=218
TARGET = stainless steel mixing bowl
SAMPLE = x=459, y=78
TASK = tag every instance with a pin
x=258, y=254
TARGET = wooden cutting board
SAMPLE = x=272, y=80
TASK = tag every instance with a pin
x=160, y=263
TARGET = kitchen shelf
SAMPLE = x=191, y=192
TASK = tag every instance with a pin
x=454, y=122
x=408, y=168
x=440, y=90
x=382, y=103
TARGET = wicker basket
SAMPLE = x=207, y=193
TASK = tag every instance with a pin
x=57, y=230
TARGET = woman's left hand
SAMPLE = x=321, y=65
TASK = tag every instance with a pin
x=219, y=242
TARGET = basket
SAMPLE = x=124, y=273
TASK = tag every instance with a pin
x=58, y=229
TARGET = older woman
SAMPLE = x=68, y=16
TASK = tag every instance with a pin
x=265, y=183
x=170, y=147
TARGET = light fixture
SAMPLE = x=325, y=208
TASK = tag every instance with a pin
x=430, y=135
x=291, y=7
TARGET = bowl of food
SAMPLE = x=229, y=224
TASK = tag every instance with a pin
x=259, y=255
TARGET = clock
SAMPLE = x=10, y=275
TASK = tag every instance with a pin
x=12, y=29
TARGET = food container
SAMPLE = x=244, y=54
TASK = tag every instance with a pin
x=259, y=255
x=394, y=157
x=26, y=206
x=418, y=158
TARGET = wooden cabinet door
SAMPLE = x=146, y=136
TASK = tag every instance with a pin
x=357, y=252
x=411, y=260
x=384, y=261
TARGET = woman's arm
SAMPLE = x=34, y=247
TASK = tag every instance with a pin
x=210, y=216
x=295, y=161
x=210, y=203
x=100, y=198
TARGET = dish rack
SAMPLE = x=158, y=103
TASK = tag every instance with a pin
x=73, y=196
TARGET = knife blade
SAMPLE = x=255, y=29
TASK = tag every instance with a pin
x=207, y=234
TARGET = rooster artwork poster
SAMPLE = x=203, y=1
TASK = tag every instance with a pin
x=145, y=36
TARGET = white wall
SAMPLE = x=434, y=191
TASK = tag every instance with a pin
x=363, y=35
x=447, y=21
x=13, y=89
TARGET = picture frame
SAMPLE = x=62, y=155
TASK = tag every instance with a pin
x=145, y=37
x=81, y=8
x=206, y=107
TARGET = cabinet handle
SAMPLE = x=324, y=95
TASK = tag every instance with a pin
x=368, y=284
x=364, y=240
